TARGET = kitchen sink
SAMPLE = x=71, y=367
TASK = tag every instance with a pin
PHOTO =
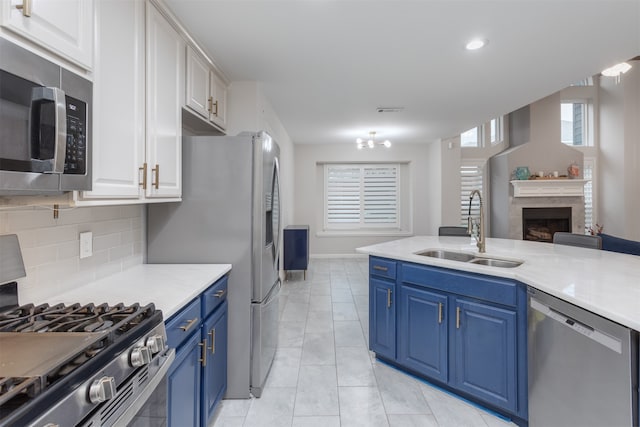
x=453, y=256
x=492, y=262
x=467, y=257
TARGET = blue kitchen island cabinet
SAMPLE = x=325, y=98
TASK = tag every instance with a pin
x=465, y=332
x=296, y=248
x=197, y=379
x=423, y=331
x=382, y=307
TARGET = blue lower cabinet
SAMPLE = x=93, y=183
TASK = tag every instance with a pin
x=484, y=352
x=197, y=379
x=214, y=374
x=382, y=318
x=466, y=332
x=184, y=384
x=422, y=331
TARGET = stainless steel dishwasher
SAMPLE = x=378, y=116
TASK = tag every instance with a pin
x=583, y=369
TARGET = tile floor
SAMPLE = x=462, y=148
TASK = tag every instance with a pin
x=323, y=374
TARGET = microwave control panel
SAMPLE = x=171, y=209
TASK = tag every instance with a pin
x=76, y=153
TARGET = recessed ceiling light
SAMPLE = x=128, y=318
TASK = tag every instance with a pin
x=476, y=44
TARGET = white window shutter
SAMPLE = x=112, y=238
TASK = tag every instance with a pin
x=360, y=196
x=471, y=178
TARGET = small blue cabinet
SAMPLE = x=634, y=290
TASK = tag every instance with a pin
x=197, y=379
x=296, y=248
x=466, y=332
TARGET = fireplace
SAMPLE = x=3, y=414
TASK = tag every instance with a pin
x=539, y=224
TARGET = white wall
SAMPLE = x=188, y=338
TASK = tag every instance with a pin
x=50, y=247
x=619, y=157
x=424, y=165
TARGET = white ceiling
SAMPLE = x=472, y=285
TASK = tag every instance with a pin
x=326, y=65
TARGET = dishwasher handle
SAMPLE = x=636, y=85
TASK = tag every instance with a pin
x=577, y=326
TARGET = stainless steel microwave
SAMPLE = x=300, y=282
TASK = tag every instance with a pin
x=45, y=125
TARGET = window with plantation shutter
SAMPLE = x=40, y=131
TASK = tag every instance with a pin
x=589, y=166
x=360, y=196
x=471, y=178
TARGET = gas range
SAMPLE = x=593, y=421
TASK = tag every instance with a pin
x=79, y=365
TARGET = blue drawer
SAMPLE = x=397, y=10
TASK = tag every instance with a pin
x=214, y=296
x=382, y=268
x=184, y=323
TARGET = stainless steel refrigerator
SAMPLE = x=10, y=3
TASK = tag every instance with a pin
x=230, y=213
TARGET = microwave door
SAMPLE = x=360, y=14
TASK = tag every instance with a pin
x=48, y=130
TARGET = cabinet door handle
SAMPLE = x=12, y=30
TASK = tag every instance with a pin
x=156, y=172
x=212, y=334
x=439, y=312
x=457, y=317
x=380, y=268
x=25, y=7
x=210, y=104
x=203, y=359
x=220, y=293
x=388, y=298
x=143, y=169
x=215, y=113
x=189, y=324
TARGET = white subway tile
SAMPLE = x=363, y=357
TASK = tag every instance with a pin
x=69, y=250
x=53, y=235
x=106, y=241
x=39, y=255
x=29, y=219
x=120, y=252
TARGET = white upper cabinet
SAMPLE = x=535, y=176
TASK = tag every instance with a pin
x=138, y=97
x=206, y=93
x=118, y=100
x=64, y=27
x=165, y=97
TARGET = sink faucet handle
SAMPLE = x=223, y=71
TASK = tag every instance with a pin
x=469, y=224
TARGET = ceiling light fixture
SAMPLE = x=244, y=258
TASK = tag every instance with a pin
x=476, y=44
x=371, y=143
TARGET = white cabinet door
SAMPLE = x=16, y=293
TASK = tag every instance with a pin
x=165, y=97
x=219, y=108
x=118, y=100
x=198, y=84
x=64, y=27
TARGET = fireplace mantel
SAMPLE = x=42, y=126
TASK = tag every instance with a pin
x=549, y=187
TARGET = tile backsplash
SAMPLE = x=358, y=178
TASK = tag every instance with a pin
x=51, y=247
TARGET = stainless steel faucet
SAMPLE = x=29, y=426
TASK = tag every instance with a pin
x=480, y=238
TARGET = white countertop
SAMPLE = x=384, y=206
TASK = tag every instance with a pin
x=168, y=286
x=606, y=283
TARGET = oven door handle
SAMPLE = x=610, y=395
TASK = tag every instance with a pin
x=40, y=96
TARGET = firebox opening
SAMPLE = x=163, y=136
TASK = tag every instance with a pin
x=540, y=224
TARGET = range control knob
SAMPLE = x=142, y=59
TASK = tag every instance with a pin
x=155, y=343
x=102, y=390
x=140, y=356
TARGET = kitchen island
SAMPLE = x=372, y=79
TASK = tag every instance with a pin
x=605, y=283
x=442, y=311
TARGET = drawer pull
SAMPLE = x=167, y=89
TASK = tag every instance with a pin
x=203, y=345
x=212, y=334
x=439, y=312
x=220, y=293
x=189, y=324
x=388, y=298
x=380, y=268
x=457, y=317
x=215, y=113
